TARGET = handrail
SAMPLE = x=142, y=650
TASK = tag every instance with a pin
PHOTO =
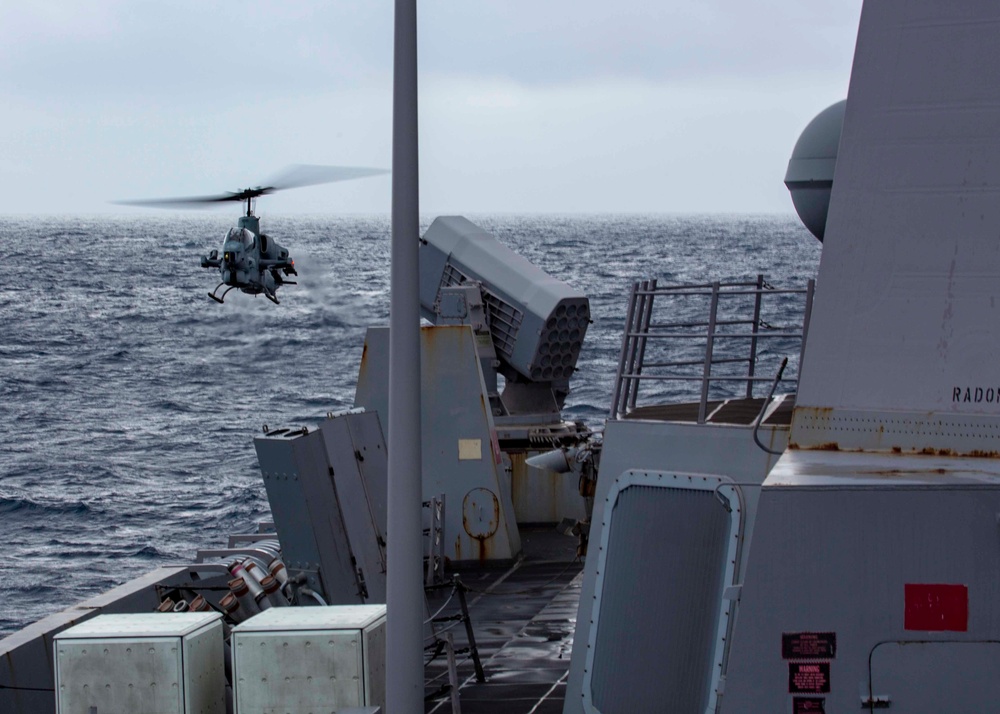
x=653, y=350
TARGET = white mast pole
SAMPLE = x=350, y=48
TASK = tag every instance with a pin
x=404, y=587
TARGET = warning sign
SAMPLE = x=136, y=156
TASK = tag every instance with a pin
x=809, y=677
x=808, y=705
x=809, y=645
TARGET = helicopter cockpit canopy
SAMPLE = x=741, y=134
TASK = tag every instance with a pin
x=241, y=236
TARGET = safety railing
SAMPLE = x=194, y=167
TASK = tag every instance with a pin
x=716, y=338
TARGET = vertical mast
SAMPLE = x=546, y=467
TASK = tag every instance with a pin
x=404, y=651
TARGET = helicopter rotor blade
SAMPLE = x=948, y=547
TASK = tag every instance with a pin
x=299, y=175
x=295, y=176
x=183, y=202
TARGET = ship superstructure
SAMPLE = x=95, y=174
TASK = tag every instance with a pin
x=816, y=537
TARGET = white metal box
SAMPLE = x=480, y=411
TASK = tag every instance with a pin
x=148, y=663
x=298, y=660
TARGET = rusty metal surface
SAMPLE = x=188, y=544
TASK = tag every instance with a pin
x=925, y=433
x=480, y=513
x=542, y=495
x=847, y=469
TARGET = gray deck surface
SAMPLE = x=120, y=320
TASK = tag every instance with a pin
x=523, y=617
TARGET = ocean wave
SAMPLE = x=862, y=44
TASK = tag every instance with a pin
x=10, y=505
x=133, y=399
x=171, y=406
x=146, y=552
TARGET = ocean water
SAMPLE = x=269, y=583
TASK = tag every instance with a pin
x=130, y=399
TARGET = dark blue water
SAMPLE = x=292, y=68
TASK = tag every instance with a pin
x=130, y=399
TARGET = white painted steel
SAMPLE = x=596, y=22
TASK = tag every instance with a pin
x=932, y=676
x=310, y=659
x=837, y=557
x=168, y=663
x=906, y=310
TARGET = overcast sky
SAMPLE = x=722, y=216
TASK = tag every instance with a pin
x=525, y=106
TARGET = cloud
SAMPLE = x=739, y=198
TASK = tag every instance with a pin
x=560, y=41
x=559, y=105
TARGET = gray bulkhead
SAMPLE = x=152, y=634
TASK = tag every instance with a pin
x=461, y=456
x=871, y=581
x=880, y=528
x=327, y=490
x=662, y=571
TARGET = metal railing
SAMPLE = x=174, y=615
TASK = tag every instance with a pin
x=434, y=532
x=732, y=334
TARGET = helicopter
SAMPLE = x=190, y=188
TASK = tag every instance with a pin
x=252, y=261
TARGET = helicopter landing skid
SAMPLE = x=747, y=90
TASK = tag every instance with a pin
x=272, y=297
x=219, y=299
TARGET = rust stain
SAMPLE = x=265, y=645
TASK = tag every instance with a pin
x=535, y=492
x=441, y=337
x=770, y=444
x=476, y=501
x=903, y=472
x=925, y=451
x=815, y=412
x=931, y=451
x=458, y=547
x=976, y=453
x=484, y=550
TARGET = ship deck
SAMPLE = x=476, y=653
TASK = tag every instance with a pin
x=523, y=619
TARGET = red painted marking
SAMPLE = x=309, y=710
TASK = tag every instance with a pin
x=495, y=445
x=936, y=608
x=808, y=677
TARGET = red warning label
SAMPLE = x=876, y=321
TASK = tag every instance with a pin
x=936, y=607
x=809, y=645
x=809, y=677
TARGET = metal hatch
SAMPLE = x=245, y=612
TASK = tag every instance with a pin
x=669, y=544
